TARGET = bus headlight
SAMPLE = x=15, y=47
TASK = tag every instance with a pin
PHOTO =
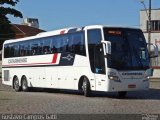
x=116, y=78
x=146, y=79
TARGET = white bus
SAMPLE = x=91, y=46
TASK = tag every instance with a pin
x=92, y=58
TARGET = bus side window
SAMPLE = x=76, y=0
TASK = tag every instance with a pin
x=54, y=45
x=33, y=51
x=54, y=49
x=81, y=44
x=28, y=48
x=34, y=48
x=47, y=45
x=40, y=47
x=71, y=44
x=21, y=50
x=76, y=44
x=6, y=51
x=60, y=44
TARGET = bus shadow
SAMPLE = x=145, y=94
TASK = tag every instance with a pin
x=152, y=94
x=55, y=91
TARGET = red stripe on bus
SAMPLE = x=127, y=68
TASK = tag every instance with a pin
x=62, y=32
x=54, y=58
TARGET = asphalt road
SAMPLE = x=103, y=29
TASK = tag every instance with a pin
x=71, y=102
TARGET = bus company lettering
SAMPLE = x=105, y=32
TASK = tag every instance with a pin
x=20, y=60
x=132, y=74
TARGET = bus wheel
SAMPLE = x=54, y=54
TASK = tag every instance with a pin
x=16, y=85
x=24, y=84
x=86, y=87
x=122, y=94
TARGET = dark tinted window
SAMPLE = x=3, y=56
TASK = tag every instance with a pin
x=6, y=51
x=94, y=36
x=46, y=44
x=77, y=44
x=21, y=50
x=59, y=44
x=27, y=49
x=72, y=42
x=34, y=48
x=155, y=25
x=95, y=48
x=129, y=49
x=12, y=50
x=99, y=60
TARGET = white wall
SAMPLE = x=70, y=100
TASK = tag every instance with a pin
x=144, y=18
x=155, y=36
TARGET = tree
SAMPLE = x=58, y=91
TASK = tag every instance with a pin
x=5, y=27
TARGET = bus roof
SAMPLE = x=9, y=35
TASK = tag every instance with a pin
x=109, y=26
x=63, y=31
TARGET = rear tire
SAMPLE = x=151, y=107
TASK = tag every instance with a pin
x=86, y=87
x=122, y=94
x=24, y=84
x=16, y=85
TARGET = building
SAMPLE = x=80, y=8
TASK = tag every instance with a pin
x=25, y=31
x=155, y=35
x=32, y=22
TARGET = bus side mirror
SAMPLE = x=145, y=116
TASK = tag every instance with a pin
x=107, y=44
x=153, y=53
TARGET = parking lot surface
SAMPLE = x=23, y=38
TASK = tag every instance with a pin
x=71, y=102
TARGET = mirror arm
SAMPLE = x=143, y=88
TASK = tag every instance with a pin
x=107, y=46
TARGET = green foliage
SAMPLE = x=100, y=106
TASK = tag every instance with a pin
x=4, y=11
x=10, y=2
x=5, y=27
x=11, y=11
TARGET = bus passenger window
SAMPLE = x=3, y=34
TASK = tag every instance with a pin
x=47, y=45
x=46, y=50
x=33, y=52
x=54, y=49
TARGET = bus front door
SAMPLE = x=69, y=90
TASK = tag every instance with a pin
x=99, y=66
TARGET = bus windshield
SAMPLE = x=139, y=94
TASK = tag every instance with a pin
x=129, y=49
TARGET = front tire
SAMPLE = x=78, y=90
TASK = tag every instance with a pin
x=24, y=84
x=86, y=87
x=16, y=85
